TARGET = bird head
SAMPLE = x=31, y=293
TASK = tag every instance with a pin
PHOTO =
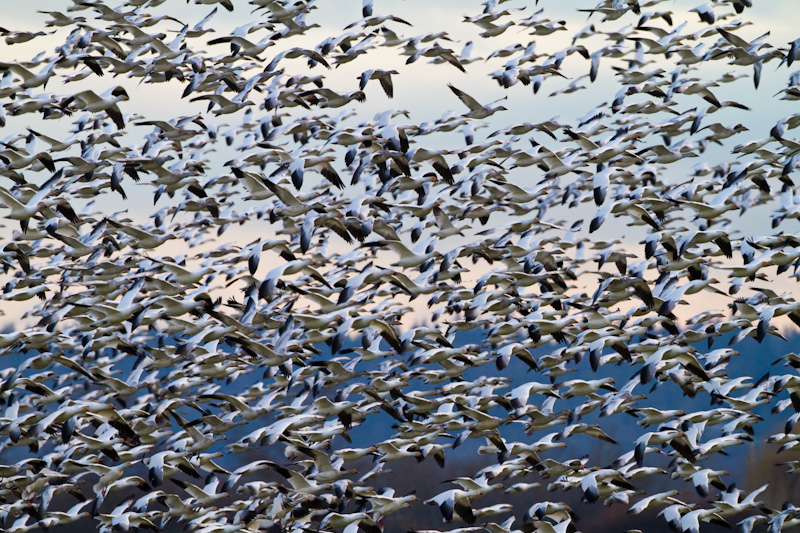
x=120, y=93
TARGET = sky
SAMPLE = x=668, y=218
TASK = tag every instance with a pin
x=422, y=88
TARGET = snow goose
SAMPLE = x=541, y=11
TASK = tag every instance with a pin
x=454, y=503
x=476, y=110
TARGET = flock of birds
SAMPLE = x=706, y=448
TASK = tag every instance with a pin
x=308, y=270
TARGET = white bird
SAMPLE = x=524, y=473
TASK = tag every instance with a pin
x=476, y=110
x=454, y=503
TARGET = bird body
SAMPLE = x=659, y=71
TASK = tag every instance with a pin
x=476, y=110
